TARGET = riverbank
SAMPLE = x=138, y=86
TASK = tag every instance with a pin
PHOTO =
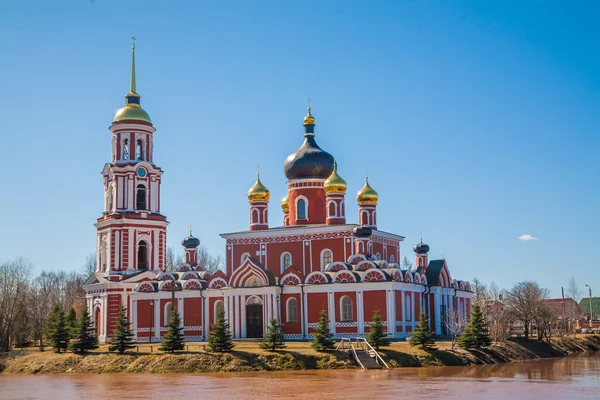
x=296, y=356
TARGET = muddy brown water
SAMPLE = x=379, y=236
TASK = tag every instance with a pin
x=566, y=378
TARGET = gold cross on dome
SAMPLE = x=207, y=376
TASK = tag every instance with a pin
x=257, y=169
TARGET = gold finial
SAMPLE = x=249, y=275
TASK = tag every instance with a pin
x=132, y=82
x=367, y=175
x=308, y=103
x=309, y=119
x=258, y=170
x=421, y=236
x=190, y=229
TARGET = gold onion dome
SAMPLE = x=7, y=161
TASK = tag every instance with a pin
x=258, y=192
x=367, y=195
x=335, y=183
x=132, y=111
x=285, y=203
x=309, y=119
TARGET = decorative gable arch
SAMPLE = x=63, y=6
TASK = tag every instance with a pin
x=317, y=278
x=356, y=258
x=374, y=275
x=290, y=279
x=344, y=277
x=166, y=276
x=144, y=287
x=408, y=277
x=396, y=274
x=250, y=273
x=336, y=266
x=364, y=266
x=192, y=284
x=184, y=268
x=190, y=275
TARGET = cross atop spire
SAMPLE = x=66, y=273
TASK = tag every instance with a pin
x=132, y=88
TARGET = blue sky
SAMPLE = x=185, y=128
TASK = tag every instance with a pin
x=478, y=121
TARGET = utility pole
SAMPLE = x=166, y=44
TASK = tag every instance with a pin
x=591, y=313
x=564, y=310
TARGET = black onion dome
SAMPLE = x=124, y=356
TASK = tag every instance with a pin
x=309, y=161
x=362, y=231
x=421, y=248
x=190, y=242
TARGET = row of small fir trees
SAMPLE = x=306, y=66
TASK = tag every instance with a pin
x=475, y=335
x=80, y=335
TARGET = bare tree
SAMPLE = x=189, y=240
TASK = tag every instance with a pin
x=406, y=264
x=174, y=260
x=89, y=266
x=524, y=301
x=480, y=293
x=497, y=315
x=211, y=263
x=14, y=278
x=573, y=290
x=455, y=323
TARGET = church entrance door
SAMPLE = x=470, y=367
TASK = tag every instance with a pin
x=254, y=321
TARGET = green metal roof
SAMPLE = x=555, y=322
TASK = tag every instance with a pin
x=584, y=305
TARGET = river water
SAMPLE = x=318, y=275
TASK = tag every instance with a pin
x=566, y=378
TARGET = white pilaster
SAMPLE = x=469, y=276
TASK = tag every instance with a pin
x=331, y=311
x=157, y=321
x=360, y=313
x=436, y=310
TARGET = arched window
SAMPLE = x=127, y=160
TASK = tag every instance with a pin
x=292, y=310
x=139, y=150
x=326, y=258
x=407, y=309
x=301, y=207
x=218, y=308
x=331, y=209
x=378, y=256
x=420, y=262
x=142, y=255
x=140, y=200
x=346, y=308
x=244, y=257
x=255, y=217
x=125, y=149
x=168, y=312
x=286, y=261
x=392, y=259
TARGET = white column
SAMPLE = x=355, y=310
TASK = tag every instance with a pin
x=104, y=316
x=157, y=321
x=391, y=307
x=133, y=314
x=331, y=312
x=243, y=315
x=360, y=313
x=436, y=311
x=237, y=316
x=403, y=305
x=180, y=311
x=412, y=310
x=305, y=314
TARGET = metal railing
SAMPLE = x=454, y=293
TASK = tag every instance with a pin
x=346, y=344
x=362, y=343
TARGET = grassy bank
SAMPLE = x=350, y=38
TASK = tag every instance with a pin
x=247, y=357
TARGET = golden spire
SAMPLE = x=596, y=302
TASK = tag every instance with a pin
x=335, y=183
x=258, y=192
x=367, y=195
x=132, y=81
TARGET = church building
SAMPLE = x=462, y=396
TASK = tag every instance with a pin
x=315, y=260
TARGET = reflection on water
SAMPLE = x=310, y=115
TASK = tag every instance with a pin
x=567, y=378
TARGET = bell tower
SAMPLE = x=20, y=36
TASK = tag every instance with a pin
x=132, y=232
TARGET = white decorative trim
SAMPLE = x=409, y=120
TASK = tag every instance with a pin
x=346, y=324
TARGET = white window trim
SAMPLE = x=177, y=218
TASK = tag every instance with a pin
x=342, y=319
x=335, y=209
x=306, y=202
x=215, y=309
x=165, y=309
x=323, y=264
x=282, y=266
x=287, y=310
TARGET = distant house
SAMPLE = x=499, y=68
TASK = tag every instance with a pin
x=569, y=308
x=584, y=306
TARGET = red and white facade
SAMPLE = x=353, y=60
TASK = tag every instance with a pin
x=315, y=261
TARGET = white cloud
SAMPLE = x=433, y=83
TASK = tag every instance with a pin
x=527, y=238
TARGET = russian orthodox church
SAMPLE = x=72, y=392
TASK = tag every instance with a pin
x=315, y=261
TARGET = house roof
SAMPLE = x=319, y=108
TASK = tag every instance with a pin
x=584, y=305
x=433, y=271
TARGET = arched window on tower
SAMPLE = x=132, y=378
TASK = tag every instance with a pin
x=301, y=209
x=139, y=150
x=140, y=200
x=142, y=256
x=125, y=149
x=332, y=209
x=103, y=255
